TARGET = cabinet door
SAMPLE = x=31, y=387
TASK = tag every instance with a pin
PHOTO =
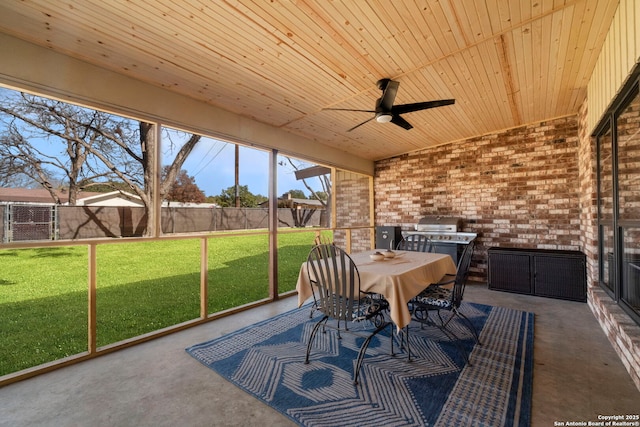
x=560, y=277
x=510, y=272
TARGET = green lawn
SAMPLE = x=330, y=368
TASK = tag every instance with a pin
x=141, y=287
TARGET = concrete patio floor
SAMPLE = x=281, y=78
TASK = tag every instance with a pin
x=577, y=377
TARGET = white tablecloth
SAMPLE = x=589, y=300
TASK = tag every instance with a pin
x=398, y=279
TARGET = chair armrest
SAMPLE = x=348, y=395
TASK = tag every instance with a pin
x=447, y=279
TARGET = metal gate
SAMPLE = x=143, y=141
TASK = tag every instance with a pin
x=30, y=222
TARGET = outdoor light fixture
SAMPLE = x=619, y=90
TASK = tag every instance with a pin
x=384, y=118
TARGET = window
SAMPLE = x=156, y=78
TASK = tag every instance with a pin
x=605, y=210
x=618, y=154
x=628, y=183
x=221, y=186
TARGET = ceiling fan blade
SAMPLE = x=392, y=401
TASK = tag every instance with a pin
x=397, y=120
x=348, y=109
x=409, y=108
x=389, y=95
x=357, y=126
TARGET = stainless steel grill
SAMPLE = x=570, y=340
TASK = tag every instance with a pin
x=443, y=232
x=439, y=223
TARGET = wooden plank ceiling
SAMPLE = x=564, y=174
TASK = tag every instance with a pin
x=506, y=62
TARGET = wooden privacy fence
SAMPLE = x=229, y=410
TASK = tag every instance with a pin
x=88, y=222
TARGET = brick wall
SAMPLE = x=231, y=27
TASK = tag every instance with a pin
x=530, y=187
x=622, y=332
x=588, y=197
x=517, y=188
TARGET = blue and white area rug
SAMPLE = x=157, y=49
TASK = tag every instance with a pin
x=437, y=388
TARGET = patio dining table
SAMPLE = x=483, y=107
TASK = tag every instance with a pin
x=397, y=279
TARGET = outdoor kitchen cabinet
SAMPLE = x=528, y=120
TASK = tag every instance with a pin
x=540, y=272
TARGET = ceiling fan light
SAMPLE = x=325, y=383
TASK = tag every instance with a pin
x=384, y=118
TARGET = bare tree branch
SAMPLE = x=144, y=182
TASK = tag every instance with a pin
x=94, y=147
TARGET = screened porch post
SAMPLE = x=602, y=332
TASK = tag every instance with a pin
x=273, y=224
x=157, y=169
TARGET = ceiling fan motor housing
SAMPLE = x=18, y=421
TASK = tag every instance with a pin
x=385, y=111
x=382, y=116
x=382, y=84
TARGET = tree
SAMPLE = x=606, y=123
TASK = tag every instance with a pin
x=32, y=126
x=227, y=198
x=325, y=182
x=184, y=189
x=104, y=187
x=322, y=196
x=44, y=139
x=297, y=194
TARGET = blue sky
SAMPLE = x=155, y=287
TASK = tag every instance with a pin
x=212, y=165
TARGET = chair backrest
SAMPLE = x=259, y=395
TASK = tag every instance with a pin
x=335, y=281
x=416, y=243
x=322, y=240
x=462, y=274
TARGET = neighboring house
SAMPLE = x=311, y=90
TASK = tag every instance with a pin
x=286, y=201
x=301, y=210
x=31, y=214
x=113, y=198
x=300, y=203
x=85, y=198
x=41, y=196
x=38, y=196
x=173, y=204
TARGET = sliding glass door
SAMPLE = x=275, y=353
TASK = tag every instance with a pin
x=618, y=151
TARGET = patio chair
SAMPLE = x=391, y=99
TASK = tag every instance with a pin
x=319, y=240
x=438, y=299
x=450, y=278
x=416, y=243
x=336, y=286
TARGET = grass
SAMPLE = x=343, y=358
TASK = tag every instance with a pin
x=141, y=287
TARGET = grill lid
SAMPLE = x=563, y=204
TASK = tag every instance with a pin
x=439, y=223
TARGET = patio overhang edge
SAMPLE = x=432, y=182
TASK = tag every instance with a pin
x=31, y=67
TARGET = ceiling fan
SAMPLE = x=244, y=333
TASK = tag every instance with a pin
x=387, y=112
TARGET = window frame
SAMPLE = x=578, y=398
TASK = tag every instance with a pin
x=609, y=124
